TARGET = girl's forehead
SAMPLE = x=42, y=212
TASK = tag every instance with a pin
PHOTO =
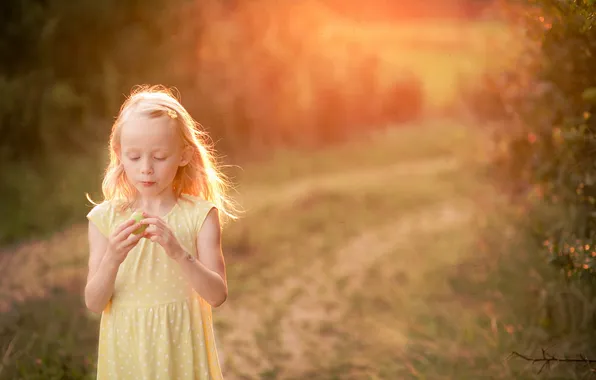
x=143, y=132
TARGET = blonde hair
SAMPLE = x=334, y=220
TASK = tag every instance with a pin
x=200, y=177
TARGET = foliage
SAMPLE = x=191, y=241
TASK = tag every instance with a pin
x=249, y=87
x=65, y=66
x=544, y=108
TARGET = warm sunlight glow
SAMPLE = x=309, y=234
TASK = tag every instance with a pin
x=306, y=55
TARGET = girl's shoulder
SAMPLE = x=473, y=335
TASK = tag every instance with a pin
x=108, y=206
x=196, y=209
x=105, y=214
x=193, y=202
x=102, y=208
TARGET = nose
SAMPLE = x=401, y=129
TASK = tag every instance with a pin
x=146, y=167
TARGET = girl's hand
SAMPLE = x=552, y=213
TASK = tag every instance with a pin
x=159, y=232
x=121, y=241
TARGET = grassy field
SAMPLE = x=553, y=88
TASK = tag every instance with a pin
x=367, y=260
x=366, y=266
x=360, y=268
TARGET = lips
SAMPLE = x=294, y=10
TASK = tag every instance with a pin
x=147, y=183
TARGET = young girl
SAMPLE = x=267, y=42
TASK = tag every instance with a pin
x=155, y=281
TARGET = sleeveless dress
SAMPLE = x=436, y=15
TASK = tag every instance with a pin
x=155, y=325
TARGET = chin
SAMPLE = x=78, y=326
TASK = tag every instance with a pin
x=153, y=189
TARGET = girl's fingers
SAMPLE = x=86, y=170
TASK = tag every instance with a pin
x=130, y=239
x=131, y=242
x=150, y=220
x=128, y=231
x=153, y=221
x=123, y=226
x=153, y=230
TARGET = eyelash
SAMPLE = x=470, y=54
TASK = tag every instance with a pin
x=158, y=159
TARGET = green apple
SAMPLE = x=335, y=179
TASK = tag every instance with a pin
x=138, y=216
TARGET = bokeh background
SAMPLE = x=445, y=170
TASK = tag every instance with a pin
x=416, y=178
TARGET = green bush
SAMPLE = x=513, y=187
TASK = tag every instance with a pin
x=67, y=68
x=544, y=110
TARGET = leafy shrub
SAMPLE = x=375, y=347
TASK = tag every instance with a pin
x=544, y=113
x=59, y=93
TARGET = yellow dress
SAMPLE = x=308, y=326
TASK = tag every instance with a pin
x=156, y=326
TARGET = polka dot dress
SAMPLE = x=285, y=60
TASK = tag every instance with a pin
x=156, y=326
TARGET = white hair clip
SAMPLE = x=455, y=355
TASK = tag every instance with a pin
x=172, y=114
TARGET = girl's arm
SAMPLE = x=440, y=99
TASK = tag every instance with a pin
x=104, y=260
x=207, y=275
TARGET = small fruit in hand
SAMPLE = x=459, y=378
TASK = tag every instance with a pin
x=138, y=216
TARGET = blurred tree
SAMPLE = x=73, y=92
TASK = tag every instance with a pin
x=256, y=74
x=64, y=69
x=545, y=107
x=390, y=10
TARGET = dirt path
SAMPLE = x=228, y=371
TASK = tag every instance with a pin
x=299, y=322
x=51, y=265
x=287, y=331
x=358, y=179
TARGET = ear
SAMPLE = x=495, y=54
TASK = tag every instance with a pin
x=186, y=156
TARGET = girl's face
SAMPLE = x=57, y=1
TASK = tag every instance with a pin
x=151, y=153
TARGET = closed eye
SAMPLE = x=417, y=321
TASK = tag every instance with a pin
x=133, y=158
x=160, y=158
